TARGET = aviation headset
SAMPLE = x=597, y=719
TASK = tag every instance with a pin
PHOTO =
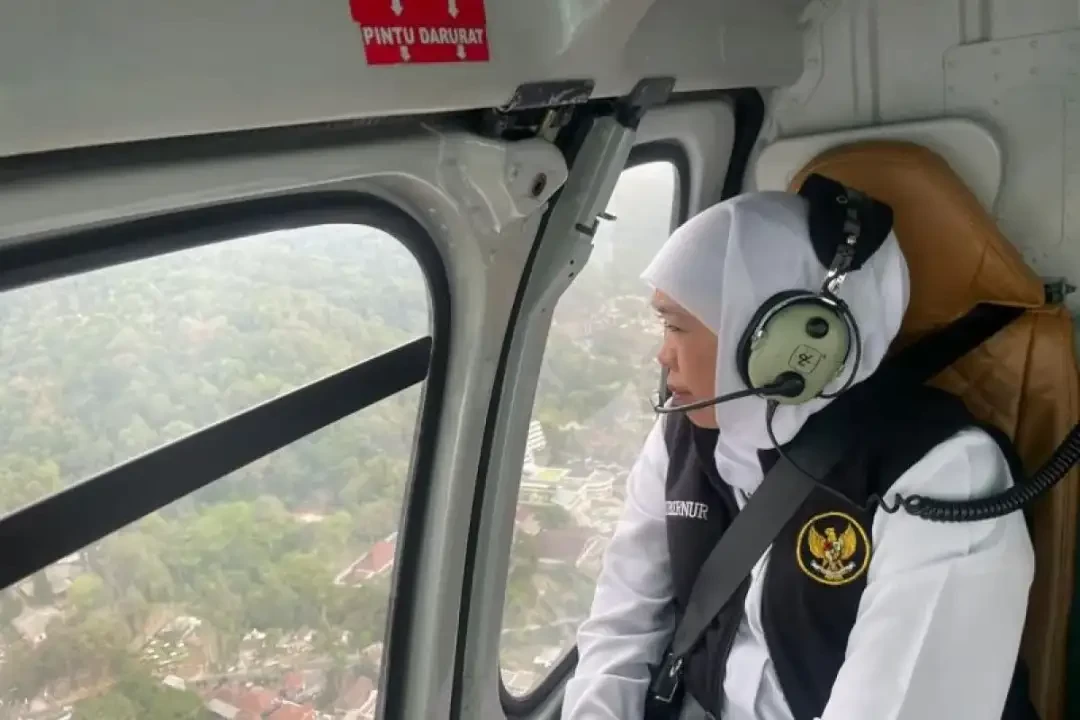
x=799, y=341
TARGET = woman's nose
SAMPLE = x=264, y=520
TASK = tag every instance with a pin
x=666, y=357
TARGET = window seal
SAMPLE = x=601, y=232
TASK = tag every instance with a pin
x=674, y=153
x=748, y=108
x=42, y=259
x=39, y=259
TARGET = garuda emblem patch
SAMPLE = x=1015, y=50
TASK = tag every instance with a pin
x=833, y=548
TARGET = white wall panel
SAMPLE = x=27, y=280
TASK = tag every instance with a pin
x=1013, y=66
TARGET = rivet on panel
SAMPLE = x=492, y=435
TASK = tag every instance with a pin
x=1034, y=43
x=1034, y=71
x=995, y=51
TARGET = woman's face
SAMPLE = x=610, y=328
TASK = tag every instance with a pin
x=689, y=356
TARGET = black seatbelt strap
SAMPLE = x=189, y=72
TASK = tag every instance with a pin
x=818, y=449
x=931, y=354
x=754, y=528
x=775, y=502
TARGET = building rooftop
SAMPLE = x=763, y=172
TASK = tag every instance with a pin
x=550, y=476
x=292, y=711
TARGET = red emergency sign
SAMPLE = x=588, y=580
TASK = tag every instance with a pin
x=396, y=32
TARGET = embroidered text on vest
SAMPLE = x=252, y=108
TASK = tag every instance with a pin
x=688, y=509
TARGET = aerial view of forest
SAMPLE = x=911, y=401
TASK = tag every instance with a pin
x=264, y=595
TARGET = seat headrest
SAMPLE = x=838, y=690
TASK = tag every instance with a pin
x=956, y=256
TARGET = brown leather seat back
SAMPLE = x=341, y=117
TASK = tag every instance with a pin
x=1023, y=380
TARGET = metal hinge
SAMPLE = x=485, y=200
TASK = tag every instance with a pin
x=1057, y=289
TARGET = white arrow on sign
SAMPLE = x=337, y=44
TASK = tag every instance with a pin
x=405, y=53
x=397, y=7
x=451, y=7
x=461, y=52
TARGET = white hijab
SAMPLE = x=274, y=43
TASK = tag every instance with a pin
x=725, y=262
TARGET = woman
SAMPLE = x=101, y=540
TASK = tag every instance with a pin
x=936, y=624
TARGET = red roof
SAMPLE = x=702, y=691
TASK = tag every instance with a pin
x=293, y=682
x=379, y=558
x=234, y=697
x=289, y=711
x=257, y=700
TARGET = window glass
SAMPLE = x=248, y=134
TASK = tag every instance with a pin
x=591, y=416
x=265, y=592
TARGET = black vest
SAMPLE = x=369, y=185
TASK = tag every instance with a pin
x=817, y=566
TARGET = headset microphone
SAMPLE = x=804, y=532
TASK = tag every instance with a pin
x=788, y=385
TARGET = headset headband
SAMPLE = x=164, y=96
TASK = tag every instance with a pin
x=837, y=215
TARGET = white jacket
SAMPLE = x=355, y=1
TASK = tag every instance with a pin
x=938, y=626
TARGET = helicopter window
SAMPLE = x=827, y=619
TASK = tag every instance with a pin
x=265, y=589
x=592, y=414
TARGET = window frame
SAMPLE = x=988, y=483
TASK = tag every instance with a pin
x=43, y=532
x=674, y=153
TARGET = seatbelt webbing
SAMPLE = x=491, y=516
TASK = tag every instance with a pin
x=927, y=357
x=732, y=558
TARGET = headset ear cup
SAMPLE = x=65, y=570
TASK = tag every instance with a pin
x=746, y=342
x=809, y=337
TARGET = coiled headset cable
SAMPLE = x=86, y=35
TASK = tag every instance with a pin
x=1022, y=493
x=1000, y=504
